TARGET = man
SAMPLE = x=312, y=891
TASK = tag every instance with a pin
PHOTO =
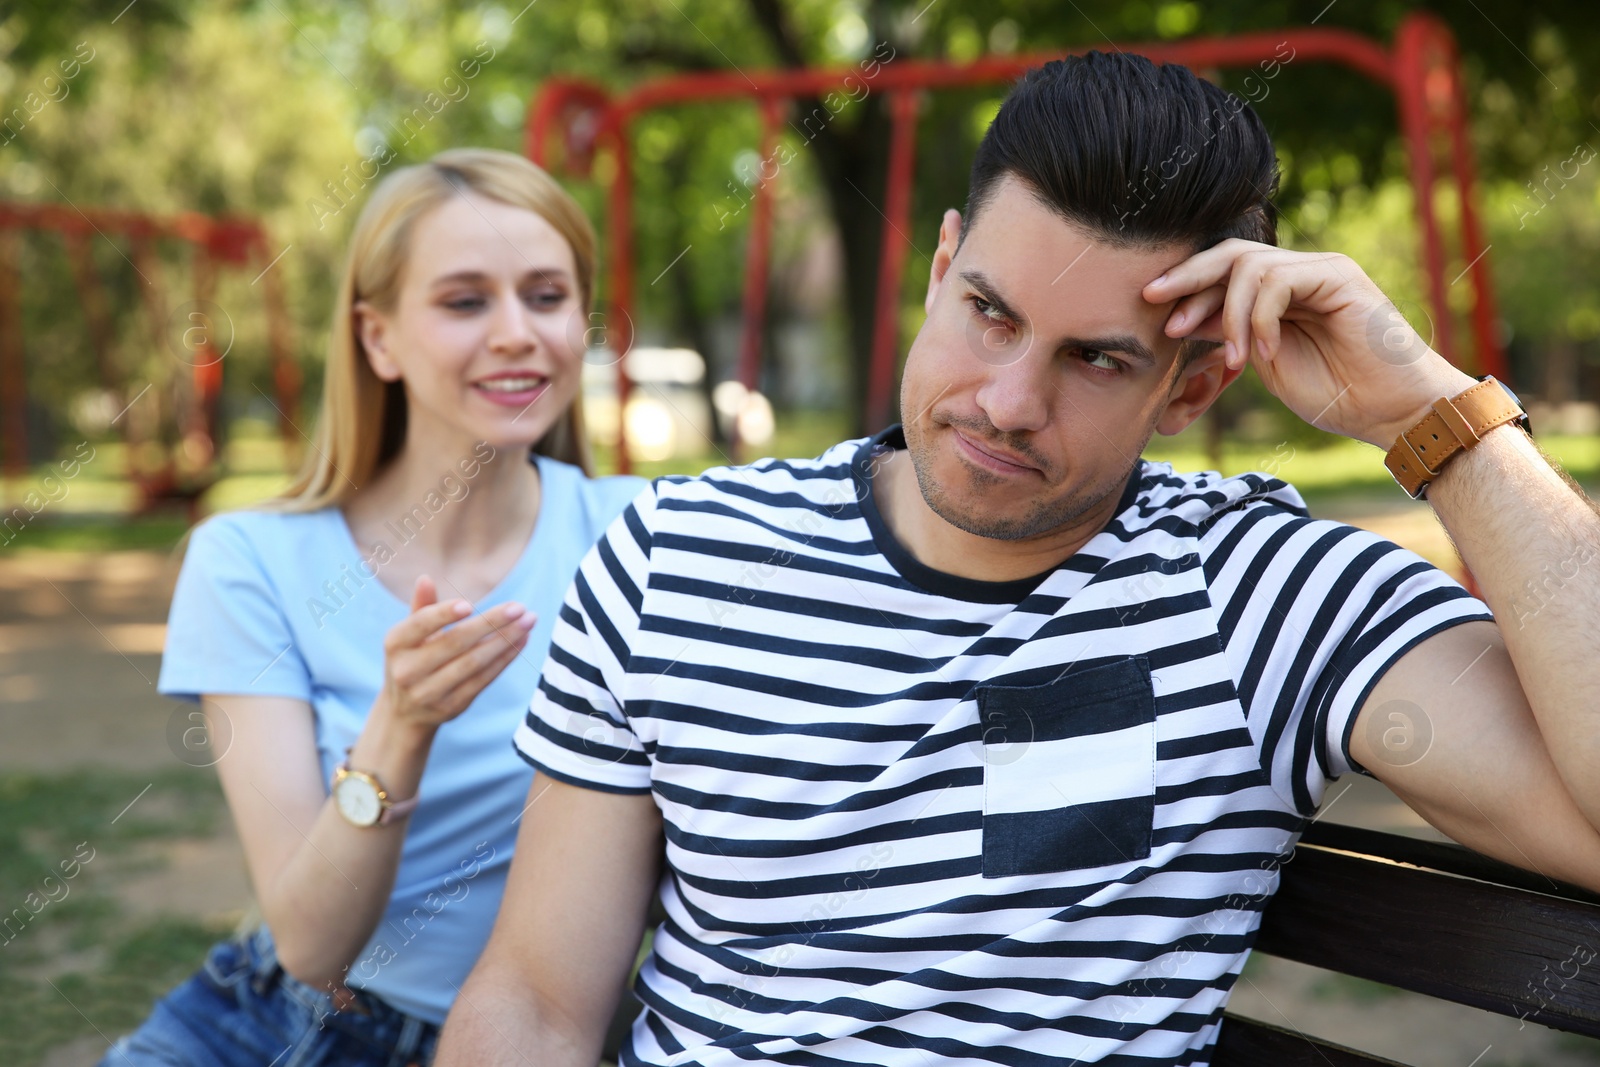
x=982, y=740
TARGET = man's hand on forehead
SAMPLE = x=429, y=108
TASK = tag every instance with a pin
x=1237, y=292
x=1320, y=334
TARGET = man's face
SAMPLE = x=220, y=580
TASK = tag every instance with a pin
x=1039, y=374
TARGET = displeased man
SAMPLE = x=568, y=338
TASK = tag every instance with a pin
x=981, y=740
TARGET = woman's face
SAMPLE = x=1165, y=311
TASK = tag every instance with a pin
x=487, y=332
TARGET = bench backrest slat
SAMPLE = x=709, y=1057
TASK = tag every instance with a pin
x=1507, y=950
x=1247, y=1043
x=1445, y=856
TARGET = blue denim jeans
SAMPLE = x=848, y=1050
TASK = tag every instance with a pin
x=243, y=1010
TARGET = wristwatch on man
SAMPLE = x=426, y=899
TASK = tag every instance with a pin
x=1455, y=425
x=363, y=801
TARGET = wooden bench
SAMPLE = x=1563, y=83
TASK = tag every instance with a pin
x=1430, y=917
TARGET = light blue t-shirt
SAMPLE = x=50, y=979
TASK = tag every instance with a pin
x=288, y=605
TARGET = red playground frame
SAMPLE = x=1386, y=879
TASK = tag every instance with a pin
x=1422, y=69
x=222, y=241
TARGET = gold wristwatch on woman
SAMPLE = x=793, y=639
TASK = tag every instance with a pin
x=363, y=801
x=1456, y=424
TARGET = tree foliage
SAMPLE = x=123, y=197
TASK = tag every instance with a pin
x=275, y=108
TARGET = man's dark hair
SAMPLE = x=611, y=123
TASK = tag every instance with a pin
x=1137, y=155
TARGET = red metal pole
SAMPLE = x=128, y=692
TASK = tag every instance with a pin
x=155, y=483
x=898, y=73
x=562, y=104
x=280, y=347
x=198, y=420
x=891, y=264
x=1491, y=354
x=1410, y=61
x=96, y=313
x=619, y=324
x=13, y=378
x=757, y=261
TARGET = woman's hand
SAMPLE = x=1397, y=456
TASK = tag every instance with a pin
x=433, y=670
x=322, y=910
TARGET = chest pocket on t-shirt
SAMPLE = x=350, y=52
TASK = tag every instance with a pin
x=1068, y=770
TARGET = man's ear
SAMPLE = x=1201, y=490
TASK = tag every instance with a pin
x=372, y=329
x=949, y=238
x=1197, y=388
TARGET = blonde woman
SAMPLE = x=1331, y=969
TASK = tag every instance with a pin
x=364, y=646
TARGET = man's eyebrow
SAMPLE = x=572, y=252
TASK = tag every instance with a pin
x=980, y=281
x=1125, y=343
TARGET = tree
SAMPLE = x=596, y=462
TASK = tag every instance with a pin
x=256, y=106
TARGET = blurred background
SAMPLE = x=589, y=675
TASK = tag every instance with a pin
x=177, y=180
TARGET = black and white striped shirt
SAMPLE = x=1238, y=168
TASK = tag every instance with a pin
x=913, y=818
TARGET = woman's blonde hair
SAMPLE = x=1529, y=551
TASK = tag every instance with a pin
x=362, y=423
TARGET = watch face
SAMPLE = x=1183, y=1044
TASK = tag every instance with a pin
x=357, y=800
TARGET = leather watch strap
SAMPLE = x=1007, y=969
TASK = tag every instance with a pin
x=394, y=810
x=1455, y=425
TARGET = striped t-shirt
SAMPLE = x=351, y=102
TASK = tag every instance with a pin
x=913, y=818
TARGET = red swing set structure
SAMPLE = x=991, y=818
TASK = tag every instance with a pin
x=214, y=243
x=1422, y=69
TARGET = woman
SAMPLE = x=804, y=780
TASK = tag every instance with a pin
x=364, y=645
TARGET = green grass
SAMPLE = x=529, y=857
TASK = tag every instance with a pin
x=1577, y=1044
x=76, y=965
x=142, y=964
x=100, y=533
